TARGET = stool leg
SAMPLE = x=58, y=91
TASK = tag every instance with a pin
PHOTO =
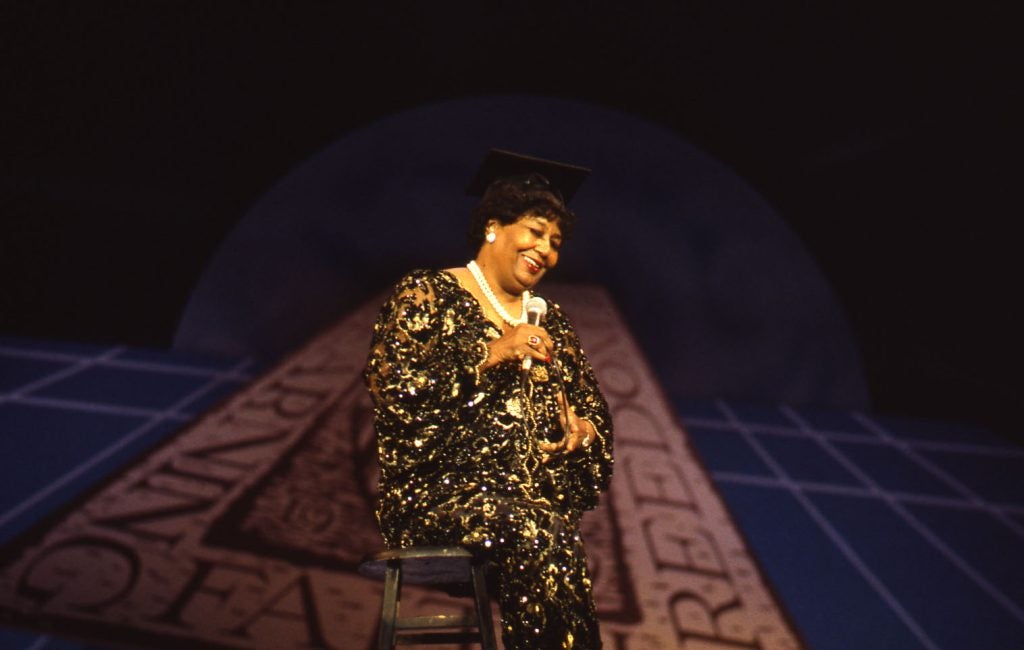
x=483, y=607
x=389, y=606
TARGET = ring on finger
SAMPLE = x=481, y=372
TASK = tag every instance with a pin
x=533, y=340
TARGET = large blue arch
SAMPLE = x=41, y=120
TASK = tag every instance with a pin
x=719, y=291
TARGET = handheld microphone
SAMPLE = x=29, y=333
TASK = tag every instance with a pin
x=535, y=310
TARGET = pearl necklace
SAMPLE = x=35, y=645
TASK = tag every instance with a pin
x=481, y=281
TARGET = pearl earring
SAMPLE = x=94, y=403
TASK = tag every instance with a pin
x=491, y=237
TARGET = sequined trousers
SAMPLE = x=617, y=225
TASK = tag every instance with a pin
x=537, y=563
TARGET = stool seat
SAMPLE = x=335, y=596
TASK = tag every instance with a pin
x=429, y=565
x=438, y=566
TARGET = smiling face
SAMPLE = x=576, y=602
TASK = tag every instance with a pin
x=522, y=252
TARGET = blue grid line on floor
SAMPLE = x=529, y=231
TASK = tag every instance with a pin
x=837, y=539
x=926, y=510
x=119, y=431
x=896, y=506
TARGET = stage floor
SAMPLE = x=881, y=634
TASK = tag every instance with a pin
x=873, y=532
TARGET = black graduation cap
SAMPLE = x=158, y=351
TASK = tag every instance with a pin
x=565, y=179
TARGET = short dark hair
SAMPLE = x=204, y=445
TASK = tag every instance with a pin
x=509, y=199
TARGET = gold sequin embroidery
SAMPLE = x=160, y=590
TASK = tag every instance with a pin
x=459, y=460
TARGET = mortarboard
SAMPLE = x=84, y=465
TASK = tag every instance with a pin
x=564, y=179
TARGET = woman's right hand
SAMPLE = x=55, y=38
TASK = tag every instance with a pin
x=516, y=344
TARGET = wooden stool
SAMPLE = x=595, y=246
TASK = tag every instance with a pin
x=431, y=565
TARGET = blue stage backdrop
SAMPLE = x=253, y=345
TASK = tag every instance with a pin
x=722, y=295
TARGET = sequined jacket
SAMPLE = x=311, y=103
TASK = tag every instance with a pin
x=447, y=431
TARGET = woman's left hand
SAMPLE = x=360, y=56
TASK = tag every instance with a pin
x=578, y=433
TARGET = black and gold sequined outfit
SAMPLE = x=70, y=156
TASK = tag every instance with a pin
x=460, y=462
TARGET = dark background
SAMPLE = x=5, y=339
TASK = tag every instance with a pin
x=135, y=134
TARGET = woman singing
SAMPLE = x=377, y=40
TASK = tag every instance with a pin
x=476, y=449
